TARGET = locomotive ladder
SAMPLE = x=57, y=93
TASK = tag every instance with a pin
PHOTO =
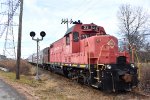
x=99, y=68
x=89, y=63
x=98, y=65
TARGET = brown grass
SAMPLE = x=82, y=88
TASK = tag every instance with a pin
x=145, y=78
x=11, y=66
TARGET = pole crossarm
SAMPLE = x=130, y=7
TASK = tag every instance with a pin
x=37, y=39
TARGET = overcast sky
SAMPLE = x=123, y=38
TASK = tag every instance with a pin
x=46, y=15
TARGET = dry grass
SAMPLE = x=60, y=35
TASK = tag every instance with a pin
x=27, y=72
x=145, y=78
x=11, y=65
x=57, y=87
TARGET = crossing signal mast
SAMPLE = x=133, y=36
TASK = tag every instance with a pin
x=9, y=9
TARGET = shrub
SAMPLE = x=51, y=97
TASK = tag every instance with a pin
x=25, y=67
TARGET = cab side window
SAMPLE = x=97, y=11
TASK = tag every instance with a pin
x=75, y=36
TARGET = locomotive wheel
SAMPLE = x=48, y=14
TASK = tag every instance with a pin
x=65, y=71
x=80, y=79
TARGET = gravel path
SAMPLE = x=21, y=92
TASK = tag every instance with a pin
x=9, y=93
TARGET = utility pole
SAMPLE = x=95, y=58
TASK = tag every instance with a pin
x=19, y=41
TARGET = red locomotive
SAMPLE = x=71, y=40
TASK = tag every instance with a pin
x=90, y=56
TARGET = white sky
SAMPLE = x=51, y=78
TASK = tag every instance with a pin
x=46, y=15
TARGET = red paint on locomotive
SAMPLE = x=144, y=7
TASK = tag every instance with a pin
x=84, y=44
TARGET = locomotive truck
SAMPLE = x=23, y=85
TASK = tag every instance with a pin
x=90, y=56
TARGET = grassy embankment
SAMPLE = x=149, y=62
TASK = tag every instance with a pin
x=27, y=71
x=50, y=86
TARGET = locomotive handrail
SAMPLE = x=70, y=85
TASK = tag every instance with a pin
x=100, y=53
x=89, y=67
x=138, y=63
x=99, y=57
x=98, y=60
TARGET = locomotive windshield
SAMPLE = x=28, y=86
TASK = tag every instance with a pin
x=86, y=35
x=75, y=36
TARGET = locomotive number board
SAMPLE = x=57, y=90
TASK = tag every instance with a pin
x=88, y=27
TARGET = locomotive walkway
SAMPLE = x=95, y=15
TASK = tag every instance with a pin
x=9, y=93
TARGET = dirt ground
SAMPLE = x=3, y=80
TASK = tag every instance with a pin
x=57, y=87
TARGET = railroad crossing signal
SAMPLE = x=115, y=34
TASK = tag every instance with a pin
x=42, y=34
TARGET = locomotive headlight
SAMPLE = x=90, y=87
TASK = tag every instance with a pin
x=132, y=65
x=108, y=66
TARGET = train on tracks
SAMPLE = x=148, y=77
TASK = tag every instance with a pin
x=90, y=56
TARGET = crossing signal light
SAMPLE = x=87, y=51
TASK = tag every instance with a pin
x=32, y=34
x=42, y=33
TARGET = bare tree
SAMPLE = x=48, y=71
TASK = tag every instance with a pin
x=133, y=23
x=147, y=47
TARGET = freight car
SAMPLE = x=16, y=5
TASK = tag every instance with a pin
x=87, y=54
